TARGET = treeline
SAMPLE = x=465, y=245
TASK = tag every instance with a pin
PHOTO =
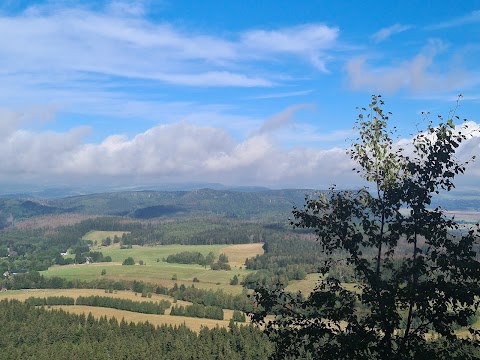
x=50, y=301
x=145, y=307
x=291, y=258
x=38, y=333
x=208, y=231
x=198, y=311
x=211, y=298
x=191, y=257
x=273, y=277
x=34, y=280
x=195, y=257
x=299, y=249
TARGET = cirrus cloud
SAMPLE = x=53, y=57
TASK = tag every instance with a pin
x=417, y=74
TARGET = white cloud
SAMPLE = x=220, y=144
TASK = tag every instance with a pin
x=281, y=119
x=121, y=42
x=385, y=33
x=309, y=41
x=133, y=8
x=417, y=74
x=282, y=94
x=117, y=61
x=471, y=18
x=213, y=79
x=173, y=152
x=180, y=152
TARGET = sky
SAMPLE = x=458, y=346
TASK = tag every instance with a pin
x=257, y=93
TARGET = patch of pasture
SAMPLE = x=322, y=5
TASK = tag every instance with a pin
x=155, y=272
x=306, y=285
x=150, y=254
x=97, y=235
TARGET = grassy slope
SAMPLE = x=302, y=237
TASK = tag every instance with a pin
x=306, y=286
x=97, y=235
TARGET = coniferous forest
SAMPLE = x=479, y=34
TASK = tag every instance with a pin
x=29, y=332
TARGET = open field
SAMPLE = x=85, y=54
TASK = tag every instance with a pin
x=238, y=253
x=160, y=272
x=306, y=286
x=74, y=293
x=192, y=323
x=96, y=235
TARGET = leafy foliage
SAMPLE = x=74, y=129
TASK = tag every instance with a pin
x=399, y=297
x=221, y=264
x=128, y=261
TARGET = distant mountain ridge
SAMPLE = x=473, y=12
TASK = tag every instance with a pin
x=149, y=204
x=146, y=204
x=29, y=192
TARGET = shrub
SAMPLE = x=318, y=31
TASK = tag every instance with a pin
x=128, y=261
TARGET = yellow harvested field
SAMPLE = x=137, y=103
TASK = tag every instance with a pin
x=74, y=293
x=193, y=323
x=237, y=254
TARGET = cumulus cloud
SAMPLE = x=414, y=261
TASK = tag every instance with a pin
x=180, y=152
x=417, y=74
x=385, y=33
x=169, y=152
x=10, y=121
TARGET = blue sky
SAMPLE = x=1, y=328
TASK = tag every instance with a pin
x=235, y=92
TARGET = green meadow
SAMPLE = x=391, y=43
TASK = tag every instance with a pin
x=157, y=271
x=97, y=235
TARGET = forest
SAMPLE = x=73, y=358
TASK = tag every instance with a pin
x=29, y=332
